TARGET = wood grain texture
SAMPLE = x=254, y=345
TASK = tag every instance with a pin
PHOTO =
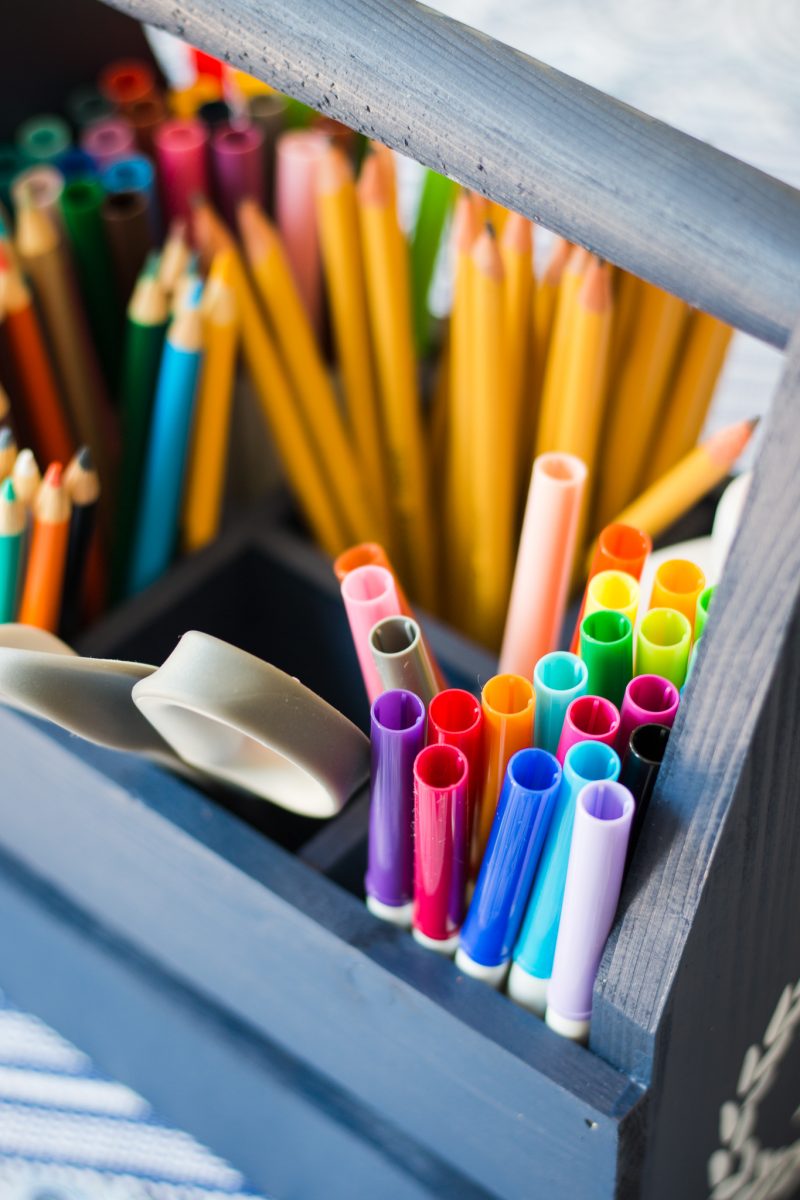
x=709, y=936
x=461, y=1091
x=720, y=234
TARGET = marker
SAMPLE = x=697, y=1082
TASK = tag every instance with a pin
x=526, y=805
x=585, y=762
x=441, y=851
x=401, y=657
x=558, y=679
x=614, y=590
x=703, y=606
x=508, y=704
x=589, y=718
x=619, y=548
x=455, y=718
x=369, y=595
x=648, y=699
x=678, y=584
x=640, y=767
x=603, y=819
x=607, y=650
x=397, y=732
x=663, y=644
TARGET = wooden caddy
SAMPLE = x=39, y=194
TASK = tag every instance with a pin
x=233, y=978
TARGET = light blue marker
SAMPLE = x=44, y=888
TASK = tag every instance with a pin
x=558, y=678
x=167, y=447
x=585, y=762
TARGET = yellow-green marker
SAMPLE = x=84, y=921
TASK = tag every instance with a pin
x=12, y=525
x=663, y=644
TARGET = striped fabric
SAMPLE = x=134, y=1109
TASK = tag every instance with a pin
x=67, y=1133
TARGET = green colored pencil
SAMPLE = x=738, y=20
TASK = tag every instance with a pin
x=437, y=199
x=12, y=525
x=148, y=312
x=81, y=207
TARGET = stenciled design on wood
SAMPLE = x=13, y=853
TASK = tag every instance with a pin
x=741, y=1169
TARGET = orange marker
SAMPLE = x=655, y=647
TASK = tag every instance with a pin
x=508, y=703
x=44, y=411
x=44, y=576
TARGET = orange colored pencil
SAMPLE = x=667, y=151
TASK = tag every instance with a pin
x=44, y=575
x=44, y=413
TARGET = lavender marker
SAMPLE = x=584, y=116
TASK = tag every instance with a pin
x=603, y=817
x=397, y=727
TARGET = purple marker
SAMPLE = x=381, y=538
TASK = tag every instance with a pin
x=397, y=726
x=648, y=700
x=603, y=818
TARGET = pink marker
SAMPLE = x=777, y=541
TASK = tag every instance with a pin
x=441, y=847
x=237, y=157
x=181, y=147
x=648, y=700
x=108, y=141
x=297, y=158
x=369, y=595
x=588, y=719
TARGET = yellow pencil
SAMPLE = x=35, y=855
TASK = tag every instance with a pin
x=627, y=292
x=310, y=381
x=205, y=481
x=689, y=397
x=175, y=257
x=516, y=251
x=466, y=226
x=491, y=490
x=687, y=482
x=634, y=401
x=274, y=393
x=337, y=220
x=553, y=381
x=388, y=296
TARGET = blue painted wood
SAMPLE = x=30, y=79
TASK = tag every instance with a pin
x=479, y=1088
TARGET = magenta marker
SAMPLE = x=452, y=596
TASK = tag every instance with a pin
x=588, y=718
x=108, y=140
x=237, y=159
x=441, y=849
x=648, y=700
x=397, y=730
x=181, y=148
x=369, y=595
x=603, y=818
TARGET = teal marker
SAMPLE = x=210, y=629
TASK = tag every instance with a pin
x=607, y=650
x=585, y=762
x=558, y=679
x=12, y=525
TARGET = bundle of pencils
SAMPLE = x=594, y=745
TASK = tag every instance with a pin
x=159, y=232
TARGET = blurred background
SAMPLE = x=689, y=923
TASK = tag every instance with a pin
x=722, y=70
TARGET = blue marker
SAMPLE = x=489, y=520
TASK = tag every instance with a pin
x=167, y=447
x=558, y=678
x=526, y=805
x=585, y=762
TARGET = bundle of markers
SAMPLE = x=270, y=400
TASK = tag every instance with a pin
x=159, y=231
x=537, y=791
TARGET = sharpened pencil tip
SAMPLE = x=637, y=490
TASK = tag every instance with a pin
x=54, y=474
x=84, y=459
x=6, y=437
x=7, y=492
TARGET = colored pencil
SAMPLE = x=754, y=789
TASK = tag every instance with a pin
x=8, y=451
x=26, y=477
x=40, y=603
x=126, y=221
x=81, y=208
x=12, y=527
x=83, y=486
x=175, y=256
x=558, y=349
x=516, y=250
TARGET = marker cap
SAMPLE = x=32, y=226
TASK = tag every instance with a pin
x=615, y=590
x=558, y=679
x=607, y=650
x=678, y=584
x=589, y=718
x=524, y=811
x=441, y=853
x=663, y=644
x=603, y=819
x=640, y=767
x=369, y=594
x=703, y=606
x=648, y=699
x=401, y=657
x=397, y=734
x=455, y=718
x=585, y=762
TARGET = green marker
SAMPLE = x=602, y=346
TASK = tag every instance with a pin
x=703, y=605
x=298, y=115
x=436, y=201
x=607, y=650
x=148, y=312
x=662, y=648
x=43, y=138
x=12, y=525
x=81, y=205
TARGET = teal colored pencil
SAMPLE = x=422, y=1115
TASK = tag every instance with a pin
x=12, y=525
x=436, y=201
